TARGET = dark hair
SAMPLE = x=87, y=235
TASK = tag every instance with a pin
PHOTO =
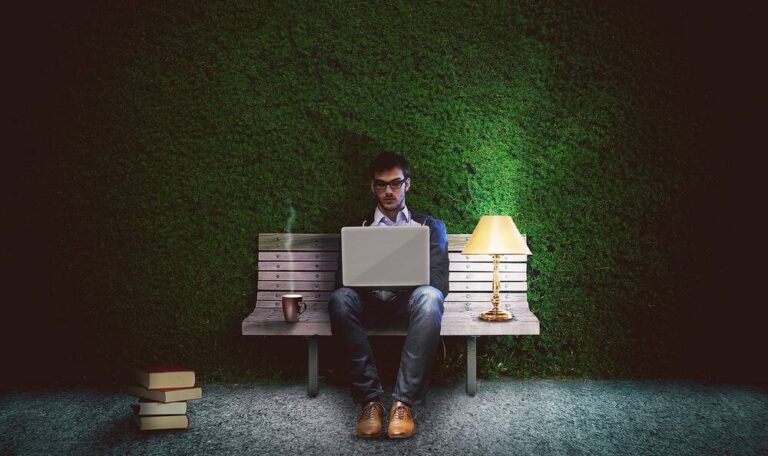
x=388, y=160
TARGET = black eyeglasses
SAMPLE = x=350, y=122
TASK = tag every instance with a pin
x=394, y=184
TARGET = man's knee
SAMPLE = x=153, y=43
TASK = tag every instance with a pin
x=427, y=299
x=343, y=301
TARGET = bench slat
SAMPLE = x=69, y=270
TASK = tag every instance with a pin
x=264, y=321
x=315, y=241
x=479, y=327
x=297, y=265
x=471, y=328
x=487, y=286
x=256, y=327
x=308, y=295
x=486, y=276
x=298, y=241
x=458, y=257
x=450, y=306
x=452, y=296
x=299, y=256
x=450, y=320
x=486, y=266
x=456, y=266
x=297, y=286
x=324, y=276
x=284, y=255
x=317, y=311
x=456, y=242
x=319, y=315
x=319, y=276
x=485, y=297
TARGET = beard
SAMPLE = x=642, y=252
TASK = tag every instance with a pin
x=391, y=204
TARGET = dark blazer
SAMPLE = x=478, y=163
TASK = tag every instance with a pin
x=438, y=249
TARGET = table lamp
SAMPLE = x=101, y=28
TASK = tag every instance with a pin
x=496, y=235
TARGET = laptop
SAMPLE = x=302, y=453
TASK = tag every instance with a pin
x=385, y=257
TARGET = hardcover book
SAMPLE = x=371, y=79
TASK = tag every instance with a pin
x=147, y=407
x=152, y=423
x=165, y=376
x=166, y=394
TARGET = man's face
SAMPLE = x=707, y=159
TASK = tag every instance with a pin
x=390, y=198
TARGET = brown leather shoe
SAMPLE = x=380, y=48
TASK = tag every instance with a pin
x=370, y=424
x=401, y=424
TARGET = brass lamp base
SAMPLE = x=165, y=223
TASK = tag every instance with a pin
x=496, y=315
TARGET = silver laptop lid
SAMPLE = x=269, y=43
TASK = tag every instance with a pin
x=385, y=256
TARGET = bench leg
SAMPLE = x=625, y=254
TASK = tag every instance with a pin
x=471, y=365
x=312, y=384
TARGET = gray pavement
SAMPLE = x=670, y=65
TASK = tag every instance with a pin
x=506, y=417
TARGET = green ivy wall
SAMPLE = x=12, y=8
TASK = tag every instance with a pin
x=198, y=125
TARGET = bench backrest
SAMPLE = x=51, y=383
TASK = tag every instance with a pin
x=307, y=263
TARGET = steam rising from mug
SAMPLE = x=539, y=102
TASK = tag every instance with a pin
x=288, y=225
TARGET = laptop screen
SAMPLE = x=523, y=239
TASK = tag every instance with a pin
x=385, y=256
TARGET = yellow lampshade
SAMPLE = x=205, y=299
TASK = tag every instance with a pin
x=496, y=235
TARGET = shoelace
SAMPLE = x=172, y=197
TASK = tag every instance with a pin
x=400, y=412
x=370, y=410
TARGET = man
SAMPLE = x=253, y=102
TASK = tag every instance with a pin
x=352, y=311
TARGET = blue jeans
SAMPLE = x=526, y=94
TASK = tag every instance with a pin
x=421, y=311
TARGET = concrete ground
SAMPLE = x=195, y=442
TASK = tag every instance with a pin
x=506, y=417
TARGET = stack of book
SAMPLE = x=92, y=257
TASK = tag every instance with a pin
x=163, y=392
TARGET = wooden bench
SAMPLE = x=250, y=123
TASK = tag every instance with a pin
x=309, y=262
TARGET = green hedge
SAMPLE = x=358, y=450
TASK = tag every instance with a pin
x=198, y=126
